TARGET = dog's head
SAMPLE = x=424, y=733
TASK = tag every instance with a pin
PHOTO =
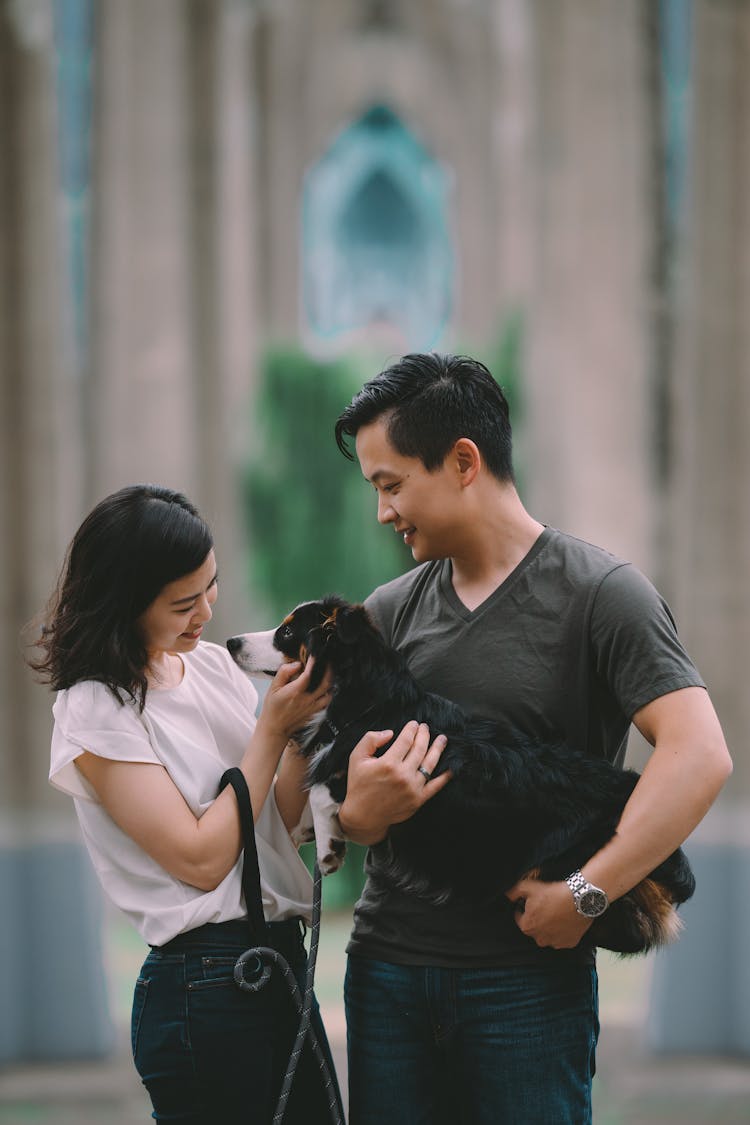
x=330, y=630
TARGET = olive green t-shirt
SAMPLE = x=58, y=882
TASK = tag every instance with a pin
x=570, y=646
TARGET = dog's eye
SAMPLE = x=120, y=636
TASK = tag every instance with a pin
x=285, y=632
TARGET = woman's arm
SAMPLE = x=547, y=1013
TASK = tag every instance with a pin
x=291, y=793
x=145, y=803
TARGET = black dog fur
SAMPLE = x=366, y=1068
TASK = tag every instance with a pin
x=512, y=808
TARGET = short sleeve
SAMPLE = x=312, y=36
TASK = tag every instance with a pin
x=386, y=604
x=374, y=607
x=88, y=717
x=637, y=650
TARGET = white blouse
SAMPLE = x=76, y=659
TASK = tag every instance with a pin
x=196, y=730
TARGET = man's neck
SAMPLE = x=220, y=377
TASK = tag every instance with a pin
x=500, y=537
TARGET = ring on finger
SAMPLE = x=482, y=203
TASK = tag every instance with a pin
x=424, y=772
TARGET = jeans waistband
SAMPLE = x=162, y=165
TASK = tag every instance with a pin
x=284, y=936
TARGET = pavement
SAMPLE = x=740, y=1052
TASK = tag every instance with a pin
x=632, y=1086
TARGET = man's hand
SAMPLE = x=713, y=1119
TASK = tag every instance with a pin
x=546, y=912
x=389, y=789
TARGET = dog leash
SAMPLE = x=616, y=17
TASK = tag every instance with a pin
x=268, y=957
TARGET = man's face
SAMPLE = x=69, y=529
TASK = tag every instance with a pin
x=421, y=505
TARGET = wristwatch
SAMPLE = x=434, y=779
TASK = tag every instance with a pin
x=590, y=901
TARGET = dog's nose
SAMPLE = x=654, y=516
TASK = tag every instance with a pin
x=234, y=644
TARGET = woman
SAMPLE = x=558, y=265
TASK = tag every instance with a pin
x=147, y=719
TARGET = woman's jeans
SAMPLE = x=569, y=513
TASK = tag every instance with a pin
x=209, y=1052
x=435, y=1046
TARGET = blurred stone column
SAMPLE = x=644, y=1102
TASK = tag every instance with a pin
x=701, y=996
x=173, y=284
x=54, y=1001
x=142, y=423
x=223, y=217
x=512, y=133
x=11, y=926
x=587, y=388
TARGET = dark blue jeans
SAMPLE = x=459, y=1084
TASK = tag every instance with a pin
x=208, y=1052
x=434, y=1046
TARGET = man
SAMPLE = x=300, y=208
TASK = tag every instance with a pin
x=489, y=1015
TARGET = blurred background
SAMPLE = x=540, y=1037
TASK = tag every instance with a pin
x=217, y=219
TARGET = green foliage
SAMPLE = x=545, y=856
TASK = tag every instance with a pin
x=344, y=887
x=311, y=515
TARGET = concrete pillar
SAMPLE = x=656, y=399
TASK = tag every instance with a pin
x=10, y=929
x=701, y=999
x=587, y=392
x=173, y=282
x=50, y=962
x=143, y=411
x=163, y=397
x=511, y=140
x=223, y=240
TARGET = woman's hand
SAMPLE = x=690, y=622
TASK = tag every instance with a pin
x=289, y=704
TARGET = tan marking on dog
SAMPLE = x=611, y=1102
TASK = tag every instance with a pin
x=654, y=901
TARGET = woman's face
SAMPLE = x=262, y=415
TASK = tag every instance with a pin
x=174, y=621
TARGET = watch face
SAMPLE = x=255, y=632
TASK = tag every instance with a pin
x=592, y=902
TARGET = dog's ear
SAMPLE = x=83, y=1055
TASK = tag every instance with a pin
x=352, y=623
x=317, y=643
x=319, y=670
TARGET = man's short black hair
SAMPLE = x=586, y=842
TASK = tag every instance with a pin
x=429, y=401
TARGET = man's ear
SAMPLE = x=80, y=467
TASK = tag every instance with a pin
x=468, y=459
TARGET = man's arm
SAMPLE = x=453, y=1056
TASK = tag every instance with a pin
x=680, y=782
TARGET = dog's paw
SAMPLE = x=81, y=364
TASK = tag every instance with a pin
x=333, y=858
x=302, y=834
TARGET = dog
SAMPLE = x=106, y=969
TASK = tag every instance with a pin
x=512, y=808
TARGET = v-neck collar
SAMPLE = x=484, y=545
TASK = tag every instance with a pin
x=463, y=611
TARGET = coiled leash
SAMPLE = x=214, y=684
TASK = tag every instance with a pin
x=268, y=957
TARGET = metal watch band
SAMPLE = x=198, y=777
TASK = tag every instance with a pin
x=576, y=881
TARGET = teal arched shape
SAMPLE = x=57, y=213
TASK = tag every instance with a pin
x=375, y=233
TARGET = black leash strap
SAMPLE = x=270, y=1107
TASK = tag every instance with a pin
x=250, y=870
x=269, y=957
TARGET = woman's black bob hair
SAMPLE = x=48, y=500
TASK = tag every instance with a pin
x=125, y=552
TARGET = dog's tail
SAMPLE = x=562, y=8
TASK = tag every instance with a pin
x=676, y=874
x=643, y=919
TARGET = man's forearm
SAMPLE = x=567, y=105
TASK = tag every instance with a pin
x=680, y=782
x=663, y=810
